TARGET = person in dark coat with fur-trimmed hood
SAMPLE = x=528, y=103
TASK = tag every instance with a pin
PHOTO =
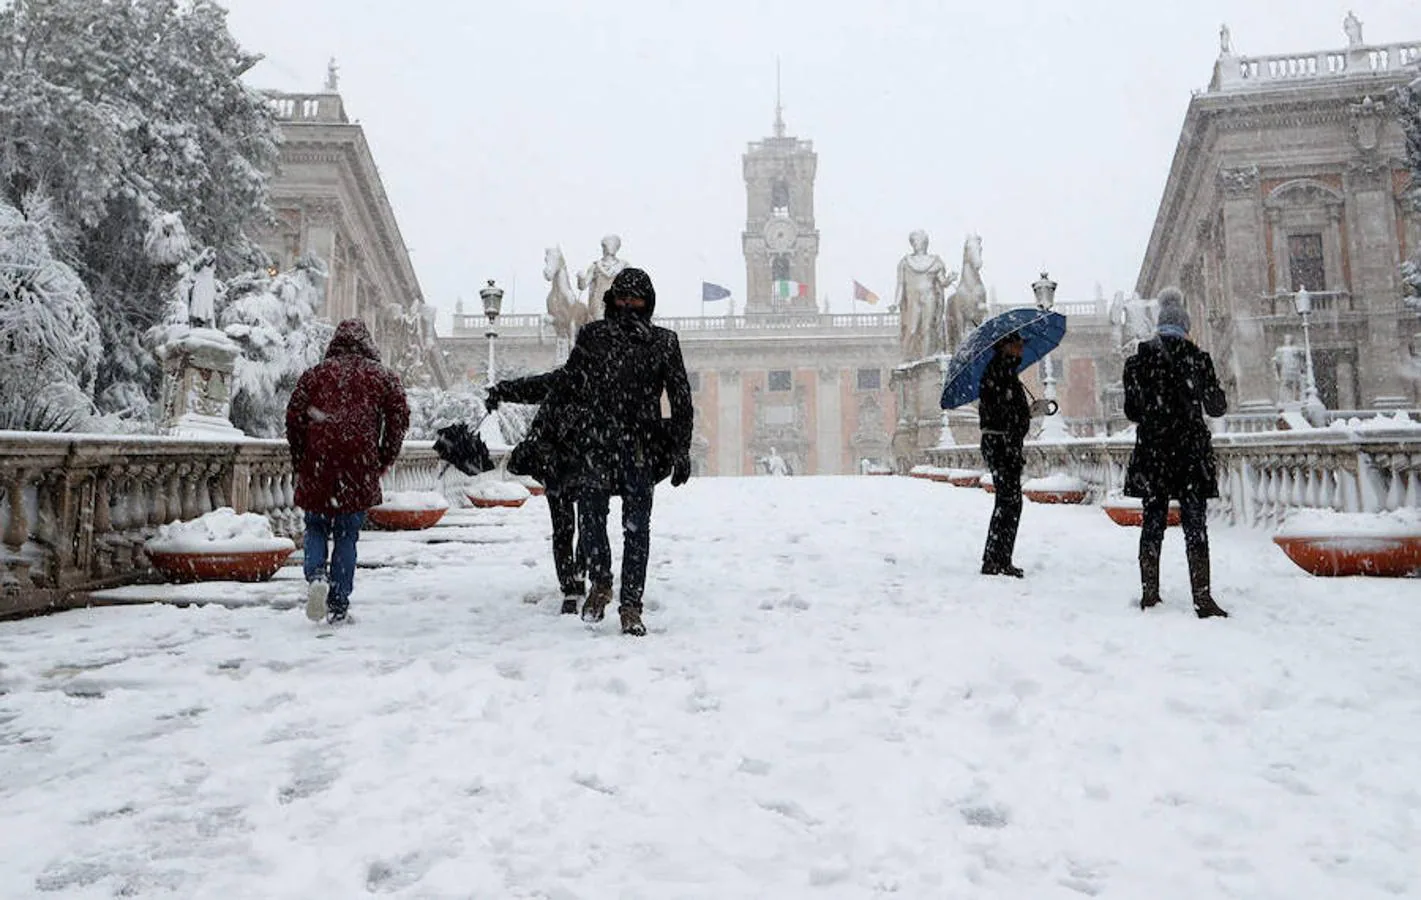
x=1170, y=385
x=613, y=382
x=345, y=425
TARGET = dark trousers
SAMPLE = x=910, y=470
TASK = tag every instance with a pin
x=592, y=511
x=1193, y=519
x=1005, y=460
x=567, y=560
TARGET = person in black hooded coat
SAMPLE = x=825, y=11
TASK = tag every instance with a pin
x=1169, y=385
x=547, y=453
x=612, y=384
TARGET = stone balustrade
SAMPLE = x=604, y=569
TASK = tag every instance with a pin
x=524, y=325
x=75, y=510
x=1261, y=476
x=1242, y=72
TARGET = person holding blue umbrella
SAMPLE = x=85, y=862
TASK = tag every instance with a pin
x=1005, y=416
x=985, y=367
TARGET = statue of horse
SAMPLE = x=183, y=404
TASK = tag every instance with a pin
x=567, y=312
x=968, y=304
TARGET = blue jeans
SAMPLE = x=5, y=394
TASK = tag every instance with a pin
x=592, y=510
x=344, y=529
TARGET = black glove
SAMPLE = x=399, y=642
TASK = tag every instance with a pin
x=680, y=471
x=492, y=398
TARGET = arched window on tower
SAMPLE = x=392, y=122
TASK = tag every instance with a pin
x=779, y=197
x=779, y=268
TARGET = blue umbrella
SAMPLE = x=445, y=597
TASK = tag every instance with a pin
x=1042, y=331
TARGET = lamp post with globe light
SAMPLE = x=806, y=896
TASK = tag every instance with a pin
x=1053, y=428
x=1313, y=407
x=492, y=296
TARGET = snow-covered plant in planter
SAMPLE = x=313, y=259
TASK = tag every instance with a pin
x=964, y=477
x=534, y=486
x=1057, y=488
x=222, y=545
x=1325, y=542
x=491, y=493
x=929, y=473
x=408, y=510
x=1130, y=511
x=987, y=483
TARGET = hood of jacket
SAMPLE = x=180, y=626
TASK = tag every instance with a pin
x=635, y=283
x=352, y=338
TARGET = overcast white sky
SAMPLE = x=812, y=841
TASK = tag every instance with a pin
x=1045, y=126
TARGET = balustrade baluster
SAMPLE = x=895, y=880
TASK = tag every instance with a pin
x=17, y=531
x=157, y=498
x=1395, y=496
x=189, y=476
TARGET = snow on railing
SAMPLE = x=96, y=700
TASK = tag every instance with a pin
x=1242, y=72
x=75, y=510
x=1374, y=467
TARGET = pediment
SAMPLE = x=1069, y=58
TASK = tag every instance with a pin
x=1302, y=193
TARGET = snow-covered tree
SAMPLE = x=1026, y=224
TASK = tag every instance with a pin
x=273, y=320
x=126, y=113
x=49, y=338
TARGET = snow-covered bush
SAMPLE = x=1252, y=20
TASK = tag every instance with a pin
x=124, y=114
x=49, y=338
x=273, y=320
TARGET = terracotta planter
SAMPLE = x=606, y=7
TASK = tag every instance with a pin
x=404, y=519
x=487, y=503
x=249, y=565
x=537, y=490
x=1134, y=516
x=988, y=486
x=929, y=476
x=1055, y=496
x=1356, y=554
x=968, y=481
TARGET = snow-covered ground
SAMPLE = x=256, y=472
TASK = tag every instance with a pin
x=831, y=703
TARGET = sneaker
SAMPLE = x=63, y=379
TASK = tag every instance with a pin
x=596, y=606
x=316, y=593
x=1149, y=600
x=569, y=604
x=1008, y=569
x=631, y=621
x=340, y=618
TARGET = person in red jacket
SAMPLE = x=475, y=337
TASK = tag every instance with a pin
x=345, y=425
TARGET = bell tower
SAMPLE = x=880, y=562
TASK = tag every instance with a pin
x=780, y=241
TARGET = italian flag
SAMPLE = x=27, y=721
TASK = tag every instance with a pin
x=784, y=290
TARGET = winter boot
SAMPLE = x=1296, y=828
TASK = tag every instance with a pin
x=631, y=621
x=316, y=593
x=1149, y=577
x=571, y=596
x=1003, y=569
x=1204, y=605
x=596, y=606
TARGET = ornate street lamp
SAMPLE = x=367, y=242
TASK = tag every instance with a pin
x=1045, y=290
x=1312, y=404
x=1053, y=428
x=492, y=296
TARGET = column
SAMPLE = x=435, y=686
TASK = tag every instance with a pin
x=1246, y=282
x=729, y=440
x=829, y=429
x=1376, y=266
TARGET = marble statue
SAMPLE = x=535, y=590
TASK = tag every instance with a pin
x=201, y=290
x=567, y=312
x=1226, y=47
x=969, y=301
x=922, y=280
x=597, y=277
x=1352, y=26
x=1288, y=367
x=775, y=464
